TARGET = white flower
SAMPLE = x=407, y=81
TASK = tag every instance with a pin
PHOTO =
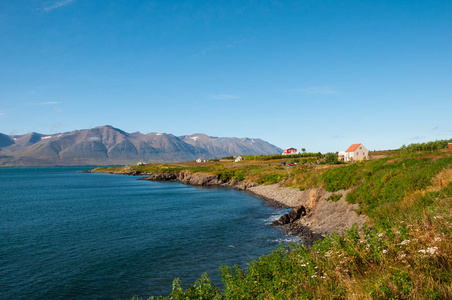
x=437, y=239
x=405, y=242
x=380, y=234
x=303, y=265
x=385, y=251
x=313, y=276
x=430, y=250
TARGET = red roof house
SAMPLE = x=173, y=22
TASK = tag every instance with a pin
x=354, y=152
x=290, y=151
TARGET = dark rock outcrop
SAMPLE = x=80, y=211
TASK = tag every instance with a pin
x=292, y=216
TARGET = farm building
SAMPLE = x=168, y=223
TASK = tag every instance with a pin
x=200, y=160
x=290, y=151
x=354, y=152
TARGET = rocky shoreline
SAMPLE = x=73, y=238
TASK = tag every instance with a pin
x=311, y=218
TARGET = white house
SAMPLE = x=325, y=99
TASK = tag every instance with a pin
x=238, y=158
x=354, y=152
x=200, y=160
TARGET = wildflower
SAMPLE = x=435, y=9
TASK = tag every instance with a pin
x=404, y=242
x=430, y=250
x=385, y=251
x=313, y=276
x=438, y=239
x=303, y=265
x=322, y=276
x=380, y=234
x=315, y=267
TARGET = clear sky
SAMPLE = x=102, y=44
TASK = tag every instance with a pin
x=311, y=74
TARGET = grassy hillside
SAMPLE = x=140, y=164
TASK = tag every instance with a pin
x=405, y=251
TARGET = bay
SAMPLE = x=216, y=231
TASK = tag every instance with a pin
x=71, y=235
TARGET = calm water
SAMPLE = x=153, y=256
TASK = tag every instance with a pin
x=70, y=235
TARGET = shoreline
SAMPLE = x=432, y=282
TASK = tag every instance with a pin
x=321, y=217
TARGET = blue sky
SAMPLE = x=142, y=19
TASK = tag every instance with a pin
x=319, y=75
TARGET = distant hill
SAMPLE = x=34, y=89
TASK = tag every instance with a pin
x=106, y=145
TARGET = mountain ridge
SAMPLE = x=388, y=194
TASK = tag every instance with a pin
x=107, y=145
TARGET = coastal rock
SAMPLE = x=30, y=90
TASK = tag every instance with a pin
x=292, y=216
x=198, y=179
x=169, y=176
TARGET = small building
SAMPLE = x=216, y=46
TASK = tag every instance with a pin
x=140, y=163
x=353, y=153
x=238, y=158
x=290, y=151
x=200, y=160
x=450, y=146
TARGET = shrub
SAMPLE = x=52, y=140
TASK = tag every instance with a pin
x=334, y=197
x=331, y=158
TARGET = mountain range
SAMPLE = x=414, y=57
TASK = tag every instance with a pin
x=106, y=145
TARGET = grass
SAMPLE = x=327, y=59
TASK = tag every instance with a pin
x=405, y=252
x=334, y=197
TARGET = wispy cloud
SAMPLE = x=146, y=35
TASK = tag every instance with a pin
x=2, y=114
x=418, y=137
x=317, y=90
x=339, y=137
x=48, y=103
x=434, y=128
x=219, y=45
x=58, y=4
x=223, y=97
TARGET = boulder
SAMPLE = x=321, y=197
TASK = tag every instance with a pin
x=292, y=216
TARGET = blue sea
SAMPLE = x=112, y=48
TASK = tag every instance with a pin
x=71, y=235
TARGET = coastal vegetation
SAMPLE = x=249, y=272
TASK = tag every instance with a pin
x=403, y=252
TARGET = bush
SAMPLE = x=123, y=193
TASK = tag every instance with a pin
x=334, y=197
x=331, y=158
